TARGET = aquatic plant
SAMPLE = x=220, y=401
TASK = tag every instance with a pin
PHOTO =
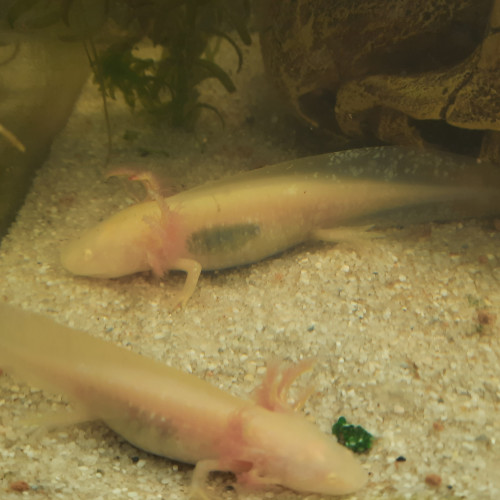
x=188, y=32
x=351, y=436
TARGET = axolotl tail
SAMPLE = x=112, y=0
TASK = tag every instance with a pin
x=37, y=350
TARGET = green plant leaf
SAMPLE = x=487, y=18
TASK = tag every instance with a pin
x=215, y=71
x=237, y=14
x=220, y=34
x=213, y=109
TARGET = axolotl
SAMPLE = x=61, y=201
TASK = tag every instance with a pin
x=177, y=415
x=253, y=215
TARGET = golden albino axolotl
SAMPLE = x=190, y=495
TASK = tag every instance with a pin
x=250, y=216
x=170, y=413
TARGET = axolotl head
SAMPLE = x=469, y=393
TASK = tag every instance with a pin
x=118, y=246
x=287, y=449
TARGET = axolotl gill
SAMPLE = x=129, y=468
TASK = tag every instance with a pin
x=253, y=215
x=177, y=415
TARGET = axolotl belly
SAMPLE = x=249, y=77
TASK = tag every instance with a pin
x=173, y=414
x=250, y=216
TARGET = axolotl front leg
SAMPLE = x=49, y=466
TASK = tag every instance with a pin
x=192, y=268
x=168, y=227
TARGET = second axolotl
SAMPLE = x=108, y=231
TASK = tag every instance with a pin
x=253, y=215
x=177, y=415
